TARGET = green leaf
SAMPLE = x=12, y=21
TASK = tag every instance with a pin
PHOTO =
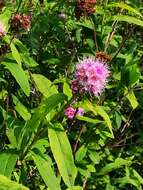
x=2, y=80
x=20, y=76
x=129, y=19
x=6, y=184
x=94, y=156
x=8, y=161
x=110, y=187
x=119, y=162
x=75, y=188
x=137, y=176
x=78, y=35
x=15, y=53
x=126, y=180
x=88, y=119
x=86, y=23
x=46, y=106
x=132, y=99
x=44, y=166
x=24, y=54
x=28, y=61
x=81, y=153
x=126, y=7
x=39, y=115
x=52, y=61
x=42, y=145
x=21, y=109
x=130, y=75
x=44, y=85
x=62, y=153
x=66, y=90
x=100, y=111
x=13, y=135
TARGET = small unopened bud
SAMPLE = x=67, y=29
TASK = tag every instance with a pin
x=70, y=112
x=62, y=16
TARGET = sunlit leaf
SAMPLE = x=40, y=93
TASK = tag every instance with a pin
x=44, y=85
x=126, y=7
x=129, y=19
x=99, y=110
x=131, y=97
x=15, y=53
x=62, y=153
x=21, y=109
x=119, y=162
x=20, y=76
x=44, y=166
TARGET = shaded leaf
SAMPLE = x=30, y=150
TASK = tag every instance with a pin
x=8, y=161
x=130, y=75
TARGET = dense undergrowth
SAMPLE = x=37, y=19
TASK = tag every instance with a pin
x=71, y=95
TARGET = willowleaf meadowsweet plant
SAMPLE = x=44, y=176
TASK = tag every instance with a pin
x=71, y=95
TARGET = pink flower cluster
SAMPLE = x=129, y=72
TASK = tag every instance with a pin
x=70, y=112
x=2, y=30
x=90, y=76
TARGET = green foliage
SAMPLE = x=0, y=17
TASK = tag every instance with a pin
x=6, y=184
x=40, y=147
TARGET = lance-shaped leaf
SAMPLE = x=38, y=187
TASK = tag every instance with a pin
x=126, y=7
x=62, y=153
x=19, y=75
x=7, y=162
x=129, y=19
x=43, y=164
x=15, y=53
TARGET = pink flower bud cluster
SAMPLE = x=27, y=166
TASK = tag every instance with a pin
x=70, y=112
x=90, y=76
